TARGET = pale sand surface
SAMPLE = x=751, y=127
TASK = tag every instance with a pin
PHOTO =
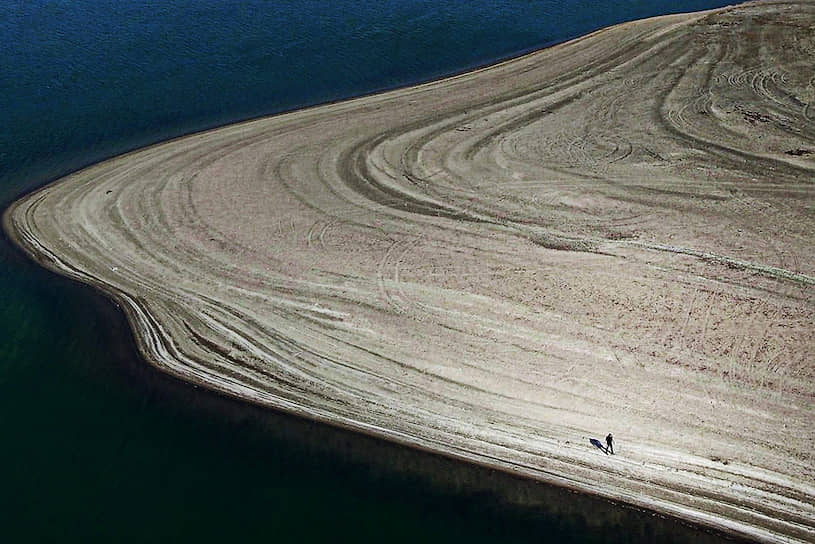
x=613, y=234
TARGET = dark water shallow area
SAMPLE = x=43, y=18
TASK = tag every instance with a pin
x=94, y=444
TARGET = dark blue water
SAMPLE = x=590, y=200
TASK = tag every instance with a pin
x=94, y=445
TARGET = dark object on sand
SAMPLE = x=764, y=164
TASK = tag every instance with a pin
x=610, y=444
x=598, y=444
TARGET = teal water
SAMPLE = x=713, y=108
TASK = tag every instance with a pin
x=95, y=445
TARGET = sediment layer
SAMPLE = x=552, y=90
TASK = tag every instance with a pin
x=613, y=234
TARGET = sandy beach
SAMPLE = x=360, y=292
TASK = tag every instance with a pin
x=610, y=235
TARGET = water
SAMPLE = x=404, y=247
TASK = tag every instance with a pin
x=94, y=445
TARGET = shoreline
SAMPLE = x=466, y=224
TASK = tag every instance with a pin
x=501, y=487
x=487, y=65
x=158, y=346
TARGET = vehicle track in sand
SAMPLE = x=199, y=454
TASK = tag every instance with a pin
x=614, y=233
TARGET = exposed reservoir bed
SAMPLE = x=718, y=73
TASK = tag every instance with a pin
x=496, y=265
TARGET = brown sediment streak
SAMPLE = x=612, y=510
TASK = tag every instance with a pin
x=611, y=234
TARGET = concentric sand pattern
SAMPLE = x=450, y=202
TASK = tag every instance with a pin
x=614, y=234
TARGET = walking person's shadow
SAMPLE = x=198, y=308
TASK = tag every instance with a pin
x=599, y=445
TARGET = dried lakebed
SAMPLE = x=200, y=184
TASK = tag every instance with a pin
x=613, y=234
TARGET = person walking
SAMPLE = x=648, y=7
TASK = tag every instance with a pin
x=610, y=443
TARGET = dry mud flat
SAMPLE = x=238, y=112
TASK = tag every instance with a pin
x=613, y=234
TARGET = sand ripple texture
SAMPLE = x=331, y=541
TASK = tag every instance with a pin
x=613, y=234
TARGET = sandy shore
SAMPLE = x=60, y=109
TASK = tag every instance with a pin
x=613, y=234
